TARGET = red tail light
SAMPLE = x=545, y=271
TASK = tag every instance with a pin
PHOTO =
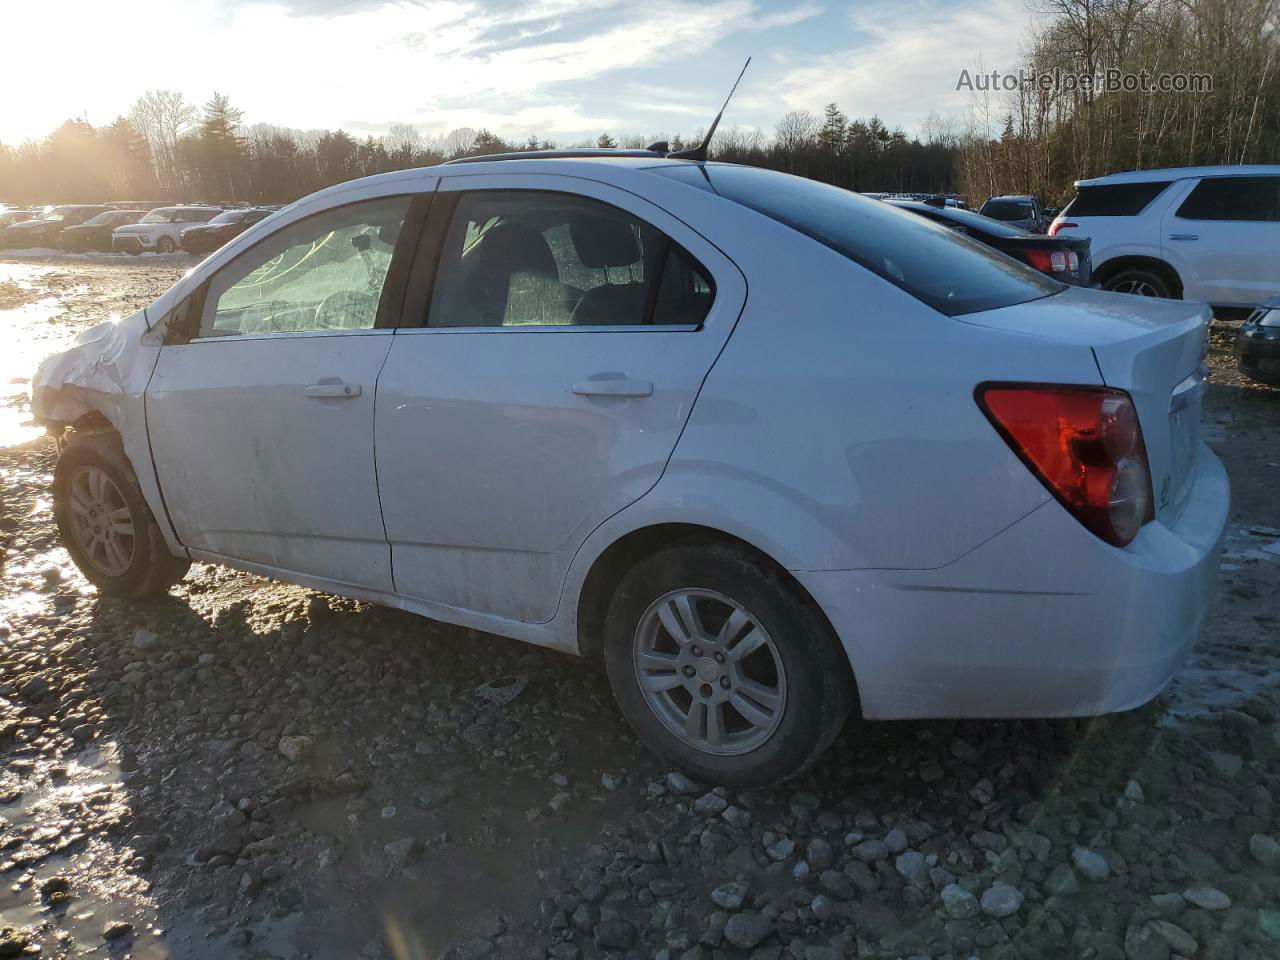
x=1052, y=261
x=1085, y=444
x=1061, y=225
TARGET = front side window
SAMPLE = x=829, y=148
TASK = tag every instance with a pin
x=323, y=274
x=158, y=216
x=952, y=273
x=1233, y=198
x=516, y=258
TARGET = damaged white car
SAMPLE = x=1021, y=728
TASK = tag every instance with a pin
x=773, y=451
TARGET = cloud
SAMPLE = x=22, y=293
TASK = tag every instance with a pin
x=783, y=18
x=907, y=64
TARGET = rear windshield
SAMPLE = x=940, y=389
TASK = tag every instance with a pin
x=950, y=272
x=1114, y=199
x=1009, y=210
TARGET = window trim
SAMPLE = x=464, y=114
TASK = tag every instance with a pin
x=390, y=301
x=426, y=270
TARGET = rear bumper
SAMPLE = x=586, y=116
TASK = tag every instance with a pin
x=1043, y=620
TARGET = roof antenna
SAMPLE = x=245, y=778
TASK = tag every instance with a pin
x=699, y=152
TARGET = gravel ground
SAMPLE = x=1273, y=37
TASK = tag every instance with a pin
x=252, y=770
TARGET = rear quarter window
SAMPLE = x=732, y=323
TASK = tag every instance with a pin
x=1114, y=199
x=950, y=272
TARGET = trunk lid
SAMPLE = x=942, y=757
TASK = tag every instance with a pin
x=1153, y=349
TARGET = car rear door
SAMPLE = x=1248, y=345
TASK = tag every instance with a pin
x=261, y=408
x=558, y=350
x=1224, y=239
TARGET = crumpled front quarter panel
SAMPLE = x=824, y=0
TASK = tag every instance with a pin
x=106, y=372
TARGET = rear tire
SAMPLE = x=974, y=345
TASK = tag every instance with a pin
x=1139, y=281
x=752, y=642
x=105, y=522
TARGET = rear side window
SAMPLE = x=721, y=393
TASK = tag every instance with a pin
x=950, y=272
x=1114, y=199
x=1233, y=198
x=514, y=258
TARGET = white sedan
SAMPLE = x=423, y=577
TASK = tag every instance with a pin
x=772, y=451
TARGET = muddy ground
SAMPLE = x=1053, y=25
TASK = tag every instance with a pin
x=252, y=770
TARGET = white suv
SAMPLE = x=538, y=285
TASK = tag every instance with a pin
x=160, y=231
x=1195, y=233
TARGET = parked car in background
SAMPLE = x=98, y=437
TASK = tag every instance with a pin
x=160, y=231
x=203, y=238
x=95, y=233
x=44, y=230
x=904, y=476
x=1258, y=343
x=1063, y=258
x=1021, y=211
x=15, y=215
x=139, y=204
x=1194, y=233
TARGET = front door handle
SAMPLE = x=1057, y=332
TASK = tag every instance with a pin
x=1184, y=236
x=613, y=388
x=334, y=389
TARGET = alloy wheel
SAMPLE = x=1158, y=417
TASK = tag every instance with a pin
x=709, y=671
x=1142, y=288
x=101, y=521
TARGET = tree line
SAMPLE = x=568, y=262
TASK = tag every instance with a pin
x=1033, y=140
x=166, y=148
x=1030, y=140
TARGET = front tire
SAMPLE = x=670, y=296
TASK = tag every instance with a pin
x=166, y=245
x=105, y=522
x=722, y=667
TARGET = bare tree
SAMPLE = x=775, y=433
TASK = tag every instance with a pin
x=162, y=117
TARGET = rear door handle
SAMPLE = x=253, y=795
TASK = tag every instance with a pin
x=1184, y=236
x=613, y=388
x=335, y=389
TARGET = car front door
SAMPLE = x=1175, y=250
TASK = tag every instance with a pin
x=1224, y=239
x=565, y=337
x=261, y=415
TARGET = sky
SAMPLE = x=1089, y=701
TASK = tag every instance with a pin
x=558, y=69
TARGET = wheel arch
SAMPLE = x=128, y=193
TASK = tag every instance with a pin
x=609, y=567
x=1104, y=271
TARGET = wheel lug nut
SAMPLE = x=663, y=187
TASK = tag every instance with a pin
x=724, y=683
x=688, y=671
x=696, y=651
x=706, y=689
x=719, y=658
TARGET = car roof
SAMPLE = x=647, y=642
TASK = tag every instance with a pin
x=1159, y=175
x=1013, y=196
